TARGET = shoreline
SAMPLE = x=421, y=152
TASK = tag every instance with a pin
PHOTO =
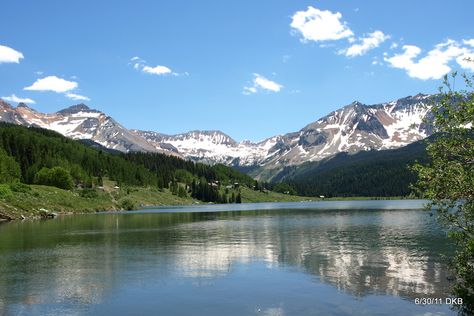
x=145, y=208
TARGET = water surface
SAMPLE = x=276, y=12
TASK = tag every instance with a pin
x=330, y=258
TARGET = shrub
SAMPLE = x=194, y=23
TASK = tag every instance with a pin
x=88, y=193
x=56, y=177
x=127, y=204
x=5, y=192
x=20, y=187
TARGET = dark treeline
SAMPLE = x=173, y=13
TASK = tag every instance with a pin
x=166, y=167
x=35, y=148
x=201, y=181
x=34, y=155
x=370, y=173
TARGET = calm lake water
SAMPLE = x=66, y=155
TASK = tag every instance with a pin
x=320, y=258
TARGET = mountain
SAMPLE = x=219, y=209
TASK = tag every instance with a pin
x=352, y=128
x=78, y=122
x=211, y=147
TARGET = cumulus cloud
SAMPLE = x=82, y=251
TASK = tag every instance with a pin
x=320, y=25
x=77, y=97
x=371, y=41
x=140, y=64
x=9, y=55
x=157, y=70
x=58, y=85
x=14, y=98
x=52, y=83
x=262, y=83
x=435, y=64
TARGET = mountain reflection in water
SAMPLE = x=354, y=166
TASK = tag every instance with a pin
x=82, y=260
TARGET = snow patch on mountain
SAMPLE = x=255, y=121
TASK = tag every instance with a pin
x=352, y=128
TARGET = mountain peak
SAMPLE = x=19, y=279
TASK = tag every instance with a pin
x=24, y=106
x=5, y=105
x=81, y=107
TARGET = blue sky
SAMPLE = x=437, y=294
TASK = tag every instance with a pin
x=252, y=69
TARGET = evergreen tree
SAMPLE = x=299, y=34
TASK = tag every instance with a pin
x=182, y=192
x=9, y=168
x=238, y=199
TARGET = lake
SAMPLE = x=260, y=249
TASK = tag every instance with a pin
x=312, y=258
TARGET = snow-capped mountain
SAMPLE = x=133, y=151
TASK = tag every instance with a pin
x=211, y=147
x=353, y=128
x=78, y=122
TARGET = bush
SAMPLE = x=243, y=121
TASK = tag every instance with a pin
x=127, y=204
x=5, y=192
x=88, y=193
x=20, y=187
x=56, y=177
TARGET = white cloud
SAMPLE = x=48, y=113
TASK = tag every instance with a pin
x=52, y=83
x=264, y=83
x=157, y=70
x=14, y=98
x=9, y=55
x=469, y=42
x=260, y=82
x=140, y=64
x=320, y=25
x=77, y=97
x=466, y=61
x=371, y=41
x=436, y=62
x=58, y=85
x=249, y=90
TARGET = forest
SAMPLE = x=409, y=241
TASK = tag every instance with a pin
x=33, y=155
x=382, y=173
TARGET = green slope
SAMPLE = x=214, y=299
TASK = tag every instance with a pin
x=371, y=173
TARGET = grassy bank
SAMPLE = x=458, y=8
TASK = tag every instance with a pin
x=252, y=196
x=33, y=200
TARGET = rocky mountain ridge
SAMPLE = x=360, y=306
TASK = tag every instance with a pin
x=352, y=128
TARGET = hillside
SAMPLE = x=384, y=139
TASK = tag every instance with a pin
x=369, y=173
x=42, y=169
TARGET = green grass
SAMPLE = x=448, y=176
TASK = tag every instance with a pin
x=252, y=196
x=30, y=202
